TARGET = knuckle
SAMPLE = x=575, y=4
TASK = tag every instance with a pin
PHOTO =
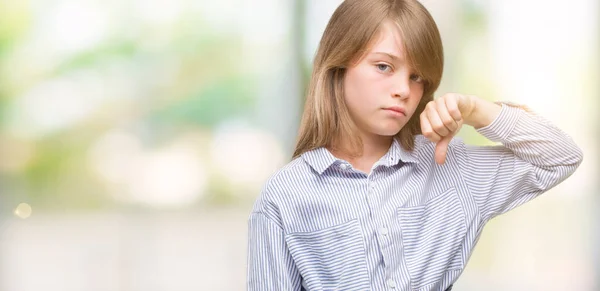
x=455, y=113
x=449, y=122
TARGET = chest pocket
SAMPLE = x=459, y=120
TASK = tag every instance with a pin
x=332, y=258
x=432, y=237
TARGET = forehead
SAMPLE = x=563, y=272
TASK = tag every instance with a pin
x=388, y=40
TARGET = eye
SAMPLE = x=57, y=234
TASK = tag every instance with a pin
x=416, y=78
x=384, y=67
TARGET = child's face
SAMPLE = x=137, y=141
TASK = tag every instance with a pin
x=382, y=86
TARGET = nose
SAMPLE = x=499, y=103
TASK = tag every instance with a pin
x=401, y=87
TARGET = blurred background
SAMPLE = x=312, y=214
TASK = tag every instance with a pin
x=135, y=135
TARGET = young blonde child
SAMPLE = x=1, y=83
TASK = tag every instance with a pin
x=379, y=195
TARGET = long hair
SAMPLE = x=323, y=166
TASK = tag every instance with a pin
x=347, y=37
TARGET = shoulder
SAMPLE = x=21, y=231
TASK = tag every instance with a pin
x=278, y=184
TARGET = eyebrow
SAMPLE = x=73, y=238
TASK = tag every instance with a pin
x=391, y=56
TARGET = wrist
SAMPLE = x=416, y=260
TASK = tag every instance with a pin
x=483, y=114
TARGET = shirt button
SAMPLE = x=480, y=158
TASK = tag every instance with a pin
x=391, y=283
x=344, y=167
x=383, y=231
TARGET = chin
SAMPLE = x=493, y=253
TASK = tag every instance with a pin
x=388, y=131
x=387, y=128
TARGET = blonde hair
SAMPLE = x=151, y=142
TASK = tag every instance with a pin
x=351, y=29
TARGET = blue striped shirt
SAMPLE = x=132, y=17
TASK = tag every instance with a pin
x=409, y=224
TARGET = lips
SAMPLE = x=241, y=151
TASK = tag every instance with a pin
x=396, y=109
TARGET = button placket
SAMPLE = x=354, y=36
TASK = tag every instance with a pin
x=384, y=231
x=391, y=283
x=371, y=187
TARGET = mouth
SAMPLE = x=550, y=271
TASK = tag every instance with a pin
x=396, y=110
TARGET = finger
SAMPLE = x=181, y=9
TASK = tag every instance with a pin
x=441, y=149
x=426, y=129
x=442, y=110
x=452, y=107
x=435, y=120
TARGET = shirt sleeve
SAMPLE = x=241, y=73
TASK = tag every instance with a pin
x=534, y=157
x=270, y=265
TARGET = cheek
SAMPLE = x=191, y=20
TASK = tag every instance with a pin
x=356, y=87
x=417, y=93
x=415, y=99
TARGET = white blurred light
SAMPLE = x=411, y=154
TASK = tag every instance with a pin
x=169, y=176
x=538, y=56
x=77, y=25
x=244, y=155
x=265, y=21
x=23, y=210
x=114, y=156
x=173, y=176
x=159, y=12
x=55, y=104
x=221, y=16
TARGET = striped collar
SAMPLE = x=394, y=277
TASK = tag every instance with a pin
x=320, y=159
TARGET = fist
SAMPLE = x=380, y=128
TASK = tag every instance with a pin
x=443, y=118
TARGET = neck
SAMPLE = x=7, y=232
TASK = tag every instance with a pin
x=373, y=148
